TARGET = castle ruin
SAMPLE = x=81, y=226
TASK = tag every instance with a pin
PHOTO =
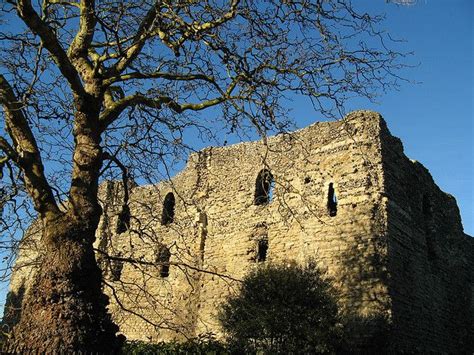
x=341, y=193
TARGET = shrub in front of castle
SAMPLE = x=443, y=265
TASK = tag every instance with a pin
x=205, y=344
x=282, y=309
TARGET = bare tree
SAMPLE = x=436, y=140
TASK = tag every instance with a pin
x=88, y=86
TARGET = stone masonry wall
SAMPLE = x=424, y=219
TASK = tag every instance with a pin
x=217, y=227
x=390, y=262
x=431, y=260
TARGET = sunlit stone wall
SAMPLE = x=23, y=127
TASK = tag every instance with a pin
x=340, y=193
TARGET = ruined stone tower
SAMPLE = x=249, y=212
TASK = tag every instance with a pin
x=340, y=193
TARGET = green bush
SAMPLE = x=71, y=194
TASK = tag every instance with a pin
x=282, y=309
x=205, y=344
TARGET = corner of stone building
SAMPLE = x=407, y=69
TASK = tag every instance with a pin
x=429, y=273
x=366, y=118
x=371, y=328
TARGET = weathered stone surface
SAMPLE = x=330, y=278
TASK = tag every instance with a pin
x=395, y=247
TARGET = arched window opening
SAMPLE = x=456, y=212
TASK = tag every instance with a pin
x=116, y=267
x=123, y=223
x=332, y=201
x=262, y=249
x=167, y=216
x=263, y=187
x=163, y=258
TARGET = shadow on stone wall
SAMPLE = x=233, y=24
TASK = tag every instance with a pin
x=367, y=326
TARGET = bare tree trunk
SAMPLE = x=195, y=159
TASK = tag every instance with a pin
x=65, y=309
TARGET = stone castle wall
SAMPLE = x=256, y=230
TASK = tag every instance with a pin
x=431, y=260
x=378, y=248
x=217, y=227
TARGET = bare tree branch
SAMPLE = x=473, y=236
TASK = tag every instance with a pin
x=51, y=43
x=139, y=39
x=110, y=114
x=27, y=155
x=79, y=48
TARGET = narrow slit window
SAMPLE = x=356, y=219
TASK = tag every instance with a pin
x=163, y=258
x=262, y=249
x=427, y=207
x=167, y=216
x=116, y=267
x=123, y=223
x=332, y=201
x=263, y=187
x=427, y=210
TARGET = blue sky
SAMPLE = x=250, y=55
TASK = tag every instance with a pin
x=434, y=117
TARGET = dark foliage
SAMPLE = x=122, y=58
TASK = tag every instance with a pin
x=366, y=334
x=283, y=309
x=205, y=344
